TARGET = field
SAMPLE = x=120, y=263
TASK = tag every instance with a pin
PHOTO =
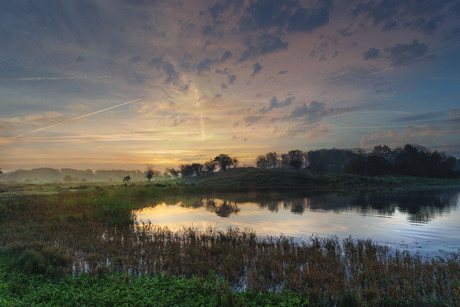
x=75, y=244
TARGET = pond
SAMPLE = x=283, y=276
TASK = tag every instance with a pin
x=426, y=222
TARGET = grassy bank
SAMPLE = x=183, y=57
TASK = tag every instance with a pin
x=286, y=179
x=237, y=180
x=85, y=241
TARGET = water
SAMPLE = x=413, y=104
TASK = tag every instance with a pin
x=425, y=222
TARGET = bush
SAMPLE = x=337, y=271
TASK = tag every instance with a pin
x=50, y=261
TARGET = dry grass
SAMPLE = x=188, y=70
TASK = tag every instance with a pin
x=94, y=232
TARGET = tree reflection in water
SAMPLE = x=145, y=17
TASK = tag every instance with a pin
x=421, y=206
x=223, y=208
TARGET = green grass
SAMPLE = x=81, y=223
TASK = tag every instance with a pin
x=121, y=289
x=233, y=180
x=255, y=179
x=81, y=247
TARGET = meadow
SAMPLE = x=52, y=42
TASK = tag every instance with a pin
x=75, y=244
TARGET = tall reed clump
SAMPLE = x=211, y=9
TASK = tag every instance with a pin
x=94, y=232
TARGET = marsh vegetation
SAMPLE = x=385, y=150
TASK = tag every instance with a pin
x=74, y=236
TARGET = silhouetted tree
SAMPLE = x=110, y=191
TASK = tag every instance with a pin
x=358, y=164
x=377, y=165
x=262, y=162
x=329, y=160
x=411, y=160
x=236, y=162
x=224, y=161
x=383, y=151
x=210, y=166
x=149, y=173
x=272, y=159
x=172, y=172
x=284, y=160
x=296, y=159
x=186, y=170
x=197, y=169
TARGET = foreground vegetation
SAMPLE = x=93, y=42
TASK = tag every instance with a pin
x=116, y=289
x=84, y=245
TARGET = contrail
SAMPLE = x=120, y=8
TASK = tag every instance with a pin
x=48, y=78
x=77, y=118
x=413, y=61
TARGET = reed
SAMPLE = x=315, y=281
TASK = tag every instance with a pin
x=93, y=232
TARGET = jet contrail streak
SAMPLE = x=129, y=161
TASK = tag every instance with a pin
x=413, y=61
x=77, y=118
x=48, y=78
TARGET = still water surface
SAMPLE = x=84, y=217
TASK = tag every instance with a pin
x=425, y=222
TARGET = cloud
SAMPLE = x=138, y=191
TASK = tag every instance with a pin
x=306, y=20
x=421, y=15
x=354, y=76
x=265, y=14
x=166, y=67
x=306, y=131
x=136, y=79
x=285, y=15
x=204, y=65
x=371, y=53
x=81, y=60
x=346, y=32
x=274, y=103
x=261, y=45
x=231, y=79
x=428, y=26
x=426, y=134
x=257, y=68
x=31, y=121
x=454, y=121
x=406, y=53
x=227, y=54
x=250, y=120
x=224, y=71
x=420, y=117
x=135, y=59
x=312, y=111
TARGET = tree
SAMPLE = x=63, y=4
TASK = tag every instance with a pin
x=296, y=158
x=172, y=172
x=68, y=178
x=285, y=160
x=262, y=162
x=186, y=170
x=235, y=162
x=127, y=179
x=272, y=159
x=224, y=161
x=383, y=151
x=149, y=173
x=197, y=169
x=377, y=165
x=210, y=166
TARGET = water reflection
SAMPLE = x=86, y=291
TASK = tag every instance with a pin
x=420, y=206
x=390, y=217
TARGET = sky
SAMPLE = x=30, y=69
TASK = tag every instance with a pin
x=128, y=83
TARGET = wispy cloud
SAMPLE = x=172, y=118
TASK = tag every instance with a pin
x=77, y=118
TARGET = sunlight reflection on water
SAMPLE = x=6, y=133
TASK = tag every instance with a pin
x=425, y=222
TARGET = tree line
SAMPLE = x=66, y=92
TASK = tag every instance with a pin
x=409, y=160
x=220, y=163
